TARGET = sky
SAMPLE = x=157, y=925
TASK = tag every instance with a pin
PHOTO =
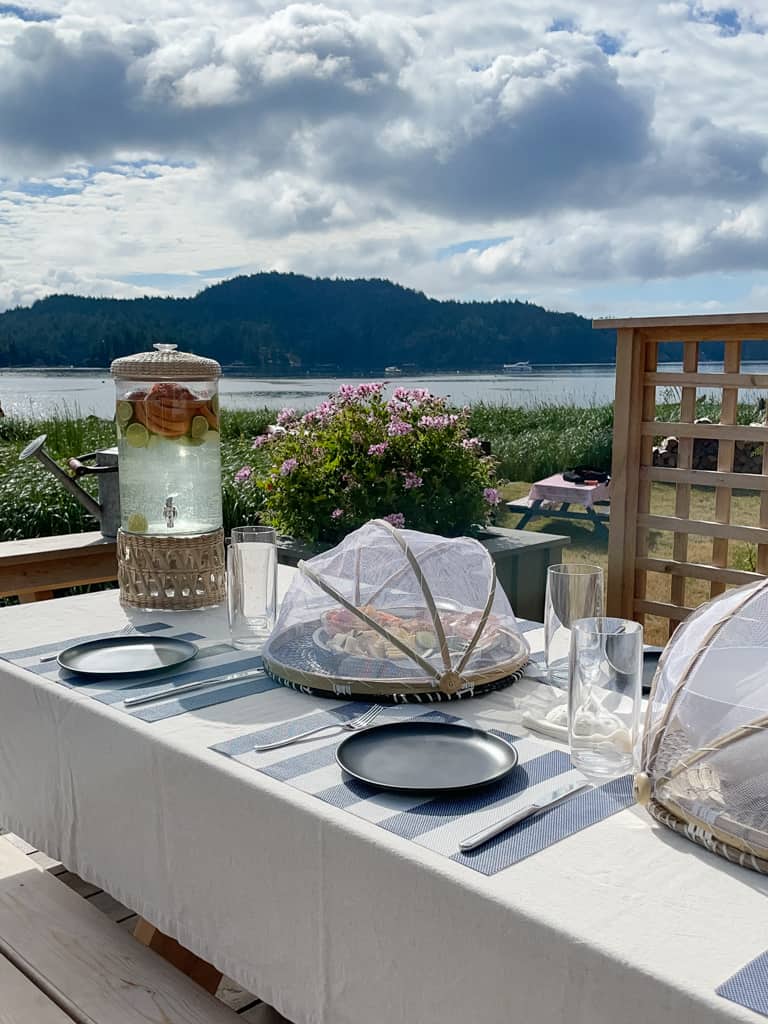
x=606, y=157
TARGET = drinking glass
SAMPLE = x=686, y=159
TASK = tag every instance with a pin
x=606, y=665
x=251, y=584
x=574, y=591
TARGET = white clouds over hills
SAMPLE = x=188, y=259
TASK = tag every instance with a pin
x=585, y=147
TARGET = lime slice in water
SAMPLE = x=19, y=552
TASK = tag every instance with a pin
x=124, y=412
x=211, y=437
x=199, y=426
x=214, y=404
x=137, y=435
x=137, y=523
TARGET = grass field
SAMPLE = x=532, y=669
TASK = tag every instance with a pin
x=587, y=546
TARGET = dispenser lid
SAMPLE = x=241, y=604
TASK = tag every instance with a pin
x=166, y=363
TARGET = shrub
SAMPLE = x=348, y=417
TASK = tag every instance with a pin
x=358, y=457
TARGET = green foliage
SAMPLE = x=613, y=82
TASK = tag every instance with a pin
x=244, y=424
x=527, y=444
x=357, y=457
x=532, y=443
x=68, y=434
x=284, y=323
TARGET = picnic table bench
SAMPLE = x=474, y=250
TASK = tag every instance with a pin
x=61, y=960
x=35, y=567
x=553, y=496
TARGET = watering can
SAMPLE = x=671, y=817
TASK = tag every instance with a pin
x=106, y=511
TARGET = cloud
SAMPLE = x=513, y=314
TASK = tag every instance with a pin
x=508, y=139
x=353, y=137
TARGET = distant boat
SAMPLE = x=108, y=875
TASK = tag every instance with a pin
x=393, y=371
x=521, y=367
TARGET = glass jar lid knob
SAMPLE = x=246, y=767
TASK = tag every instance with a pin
x=163, y=346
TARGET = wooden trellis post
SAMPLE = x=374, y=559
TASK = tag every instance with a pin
x=638, y=375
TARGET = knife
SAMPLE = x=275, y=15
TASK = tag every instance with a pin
x=173, y=691
x=557, y=797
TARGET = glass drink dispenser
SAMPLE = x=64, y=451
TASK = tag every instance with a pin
x=171, y=541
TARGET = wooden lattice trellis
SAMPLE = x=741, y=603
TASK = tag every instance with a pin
x=638, y=376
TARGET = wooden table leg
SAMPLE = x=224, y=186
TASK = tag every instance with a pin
x=37, y=595
x=534, y=509
x=205, y=974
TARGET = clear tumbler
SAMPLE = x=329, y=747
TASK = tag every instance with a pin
x=604, y=696
x=574, y=591
x=251, y=584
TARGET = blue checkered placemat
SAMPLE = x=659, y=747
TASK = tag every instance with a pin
x=437, y=823
x=215, y=659
x=749, y=986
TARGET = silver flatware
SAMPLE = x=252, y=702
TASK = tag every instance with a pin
x=361, y=722
x=174, y=691
x=130, y=628
x=557, y=797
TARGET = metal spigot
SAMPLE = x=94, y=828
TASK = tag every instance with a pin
x=170, y=512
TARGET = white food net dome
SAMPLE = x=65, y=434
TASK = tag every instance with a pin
x=704, y=766
x=397, y=614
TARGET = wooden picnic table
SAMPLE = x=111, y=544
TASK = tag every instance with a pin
x=553, y=497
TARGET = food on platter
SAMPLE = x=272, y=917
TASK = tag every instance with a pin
x=343, y=632
x=167, y=410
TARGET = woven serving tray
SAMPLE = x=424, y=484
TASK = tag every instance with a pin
x=298, y=661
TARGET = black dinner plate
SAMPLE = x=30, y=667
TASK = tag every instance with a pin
x=412, y=757
x=126, y=655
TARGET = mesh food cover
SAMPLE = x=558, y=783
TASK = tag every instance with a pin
x=397, y=614
x=704, y=765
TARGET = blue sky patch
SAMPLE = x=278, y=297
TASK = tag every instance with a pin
x=220, y=272
x=46, y=190
x=169, y=281
x=608, y=44
x=726, y=19
x=562, y=25
x=25, y=13
x=478, y=243
x=680, y=295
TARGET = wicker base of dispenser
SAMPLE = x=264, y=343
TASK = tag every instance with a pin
x=171, y=573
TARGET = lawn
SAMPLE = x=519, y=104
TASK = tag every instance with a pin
x=586, y=546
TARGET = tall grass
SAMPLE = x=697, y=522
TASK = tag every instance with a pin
x=528, y=444
x=532, y=443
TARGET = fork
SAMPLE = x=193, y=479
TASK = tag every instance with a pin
x=353, y=725
x=130, y=628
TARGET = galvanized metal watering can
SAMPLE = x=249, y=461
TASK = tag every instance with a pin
x=106, y=511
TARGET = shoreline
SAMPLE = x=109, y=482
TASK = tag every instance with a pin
x=257, y=373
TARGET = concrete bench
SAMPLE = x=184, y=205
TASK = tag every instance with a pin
x=62, y=960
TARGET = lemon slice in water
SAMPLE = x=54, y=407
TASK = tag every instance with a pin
x=137, y=522
x=199, y=426
x=137, y=435
x=124, y=412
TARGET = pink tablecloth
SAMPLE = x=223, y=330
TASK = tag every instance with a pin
x=554, y=488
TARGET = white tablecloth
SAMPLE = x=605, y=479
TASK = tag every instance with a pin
x=333, y=920
x=555, y=488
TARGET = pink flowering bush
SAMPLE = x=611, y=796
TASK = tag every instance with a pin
x=358, y=456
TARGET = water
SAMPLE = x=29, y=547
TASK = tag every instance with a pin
x=41, y=392
x=168, y=468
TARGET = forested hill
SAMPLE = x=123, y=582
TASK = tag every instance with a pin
x=287, y=323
